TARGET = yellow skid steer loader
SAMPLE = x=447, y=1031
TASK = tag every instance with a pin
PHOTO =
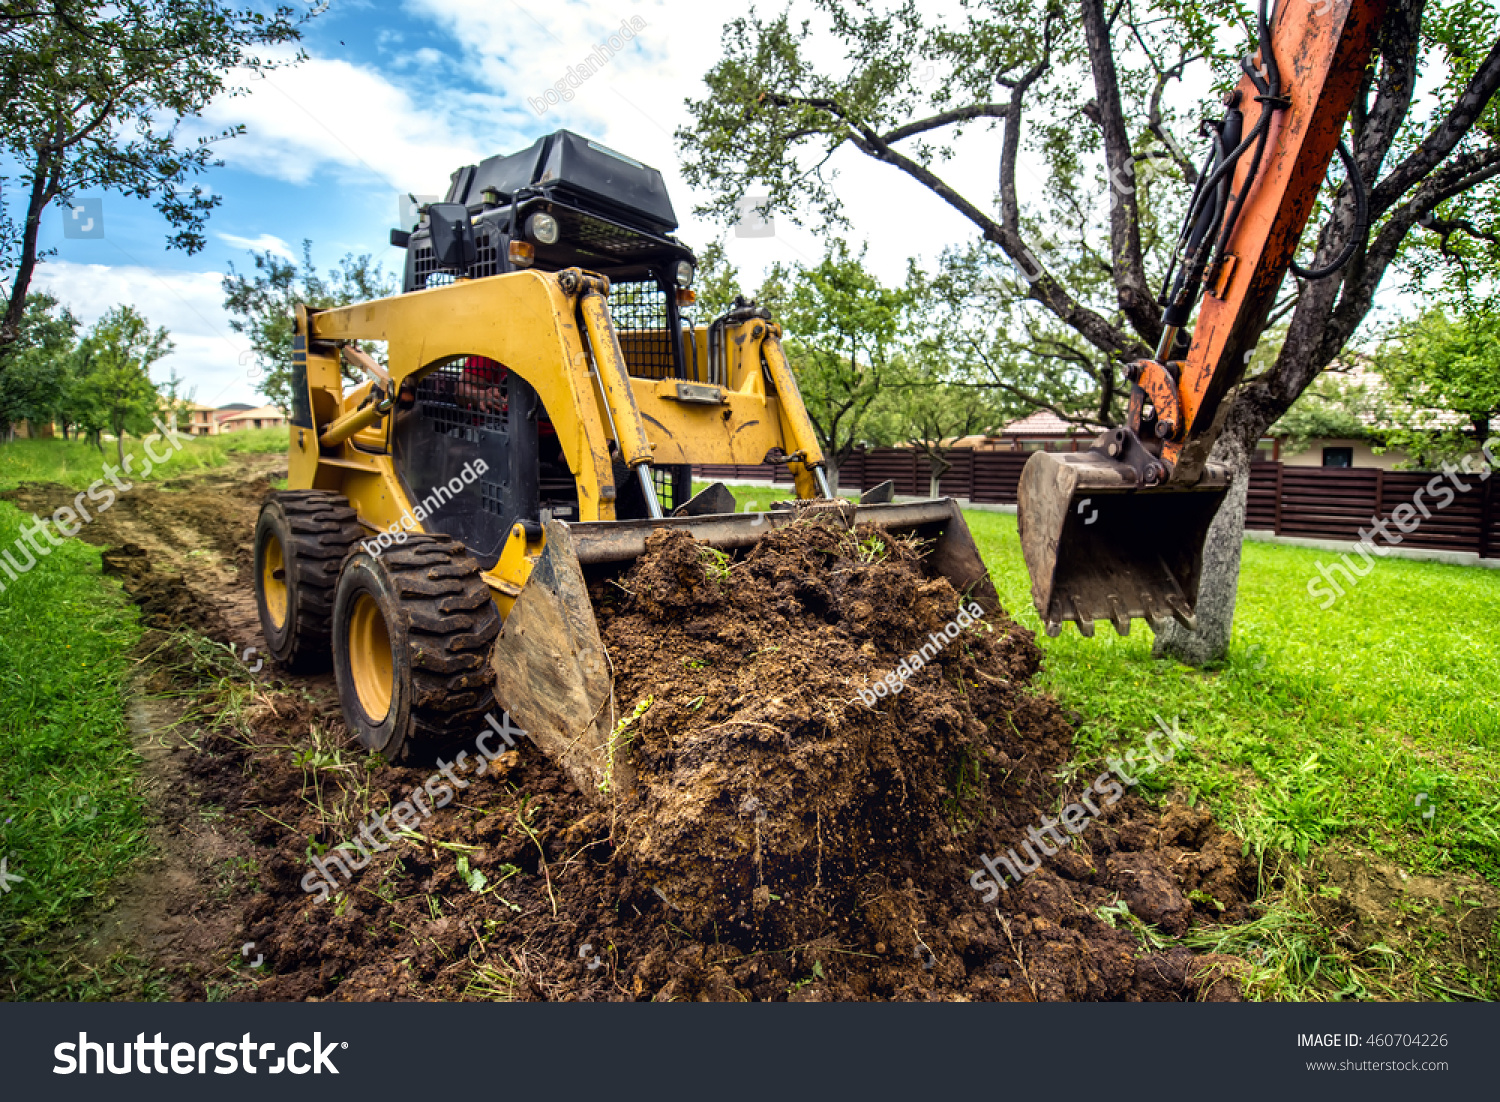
x=546, y=396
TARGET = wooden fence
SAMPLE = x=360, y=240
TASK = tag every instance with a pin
x=1450, y=513
x=983, y=477
x=1310, y=502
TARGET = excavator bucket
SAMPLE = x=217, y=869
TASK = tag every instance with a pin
x=1099, y=547
x=551, y=671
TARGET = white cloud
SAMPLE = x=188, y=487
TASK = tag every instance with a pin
x=329, y=117
x=407, y=127
x=211, y=357
x=266, y=242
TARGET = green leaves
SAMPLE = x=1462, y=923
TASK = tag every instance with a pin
x=261, y=306
x=844, y=329
x=1443, y=374
x=35, y=370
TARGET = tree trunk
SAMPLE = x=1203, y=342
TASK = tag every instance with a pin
x=42, y=183
x=831, y=469
x=1219, y=585
x=120, y=447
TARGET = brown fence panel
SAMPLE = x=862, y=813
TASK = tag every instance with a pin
x=996, y=476
x=1262, y=496
x=899, y=465
x=1489, y=530
x=1322, y=503
x=1443, y=513
x=852, y=473
x=955, y=482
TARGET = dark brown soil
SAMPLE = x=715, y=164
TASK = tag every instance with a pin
x=784, y=840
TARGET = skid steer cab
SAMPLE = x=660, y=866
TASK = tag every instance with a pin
x=547, y=393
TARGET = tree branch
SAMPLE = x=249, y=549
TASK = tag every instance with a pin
x=1135, y=298
x=947, y=118
x=1442, y=139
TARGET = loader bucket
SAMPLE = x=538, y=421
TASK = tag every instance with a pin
x=551, y=671
x=1097, y=547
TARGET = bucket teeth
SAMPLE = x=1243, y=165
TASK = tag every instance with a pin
x=1181, y=612
x=1118, y=616
x=1084, y=619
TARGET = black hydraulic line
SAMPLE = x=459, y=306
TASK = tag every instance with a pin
x=1195, y=214
x=1219, y=228
x=1204, y=228
x=1361, y=222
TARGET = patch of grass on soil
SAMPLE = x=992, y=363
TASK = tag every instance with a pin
x=77, y=464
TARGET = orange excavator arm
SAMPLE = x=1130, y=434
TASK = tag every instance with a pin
x=1116, y=533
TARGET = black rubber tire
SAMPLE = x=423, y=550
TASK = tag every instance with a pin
x=441, y=623
x=316, y=530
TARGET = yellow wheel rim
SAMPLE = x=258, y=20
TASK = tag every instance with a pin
x=273, y=580
x=370, y=658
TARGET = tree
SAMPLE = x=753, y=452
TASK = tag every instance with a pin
x=842, y=328
x=262, y=307
x=93, y=94
x=786, y=99
x=115, y=376
x=1443, y=378
x=932, y=415
x=35, y=368
x=177, y=400
x=1025, y=358
x=717, y=284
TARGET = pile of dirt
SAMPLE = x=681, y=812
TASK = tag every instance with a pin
x=784, y=840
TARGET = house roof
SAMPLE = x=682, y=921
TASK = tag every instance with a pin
x=259, y=412
x=1046, y=423
x=1379, y=410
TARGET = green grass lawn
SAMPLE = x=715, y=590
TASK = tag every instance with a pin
x=70, y=817
x=1324, y=724
x=70, y=814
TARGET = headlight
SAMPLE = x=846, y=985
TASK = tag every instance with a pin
x=683, y=274
x=542, y=227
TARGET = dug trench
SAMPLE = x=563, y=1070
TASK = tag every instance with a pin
x=783, y=838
